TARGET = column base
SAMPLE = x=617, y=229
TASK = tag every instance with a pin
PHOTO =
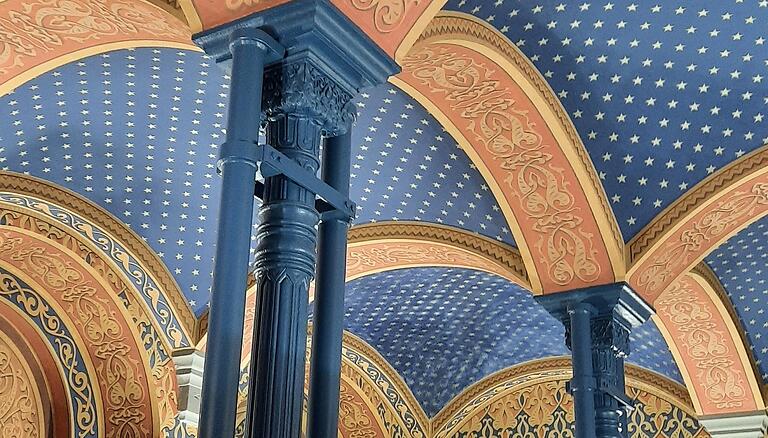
x=743, y=425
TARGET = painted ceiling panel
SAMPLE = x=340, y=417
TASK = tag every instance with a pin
x=406, y=167
x=740, y=264
x=443, y=329
x=662, y=94
x=137, y=132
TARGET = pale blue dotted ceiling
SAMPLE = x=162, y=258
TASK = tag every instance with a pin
x=443, y=329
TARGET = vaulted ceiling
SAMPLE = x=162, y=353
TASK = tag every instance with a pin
x=661, y=99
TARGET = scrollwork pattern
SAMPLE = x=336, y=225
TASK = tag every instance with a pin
x=388, y=15
x=21, y=414
x=77, y=379
x=117, y=372
x=39, y=27
x=140, y=278
x=697, y=236
x=544, y=409
x=496, y=120
x=688, y=314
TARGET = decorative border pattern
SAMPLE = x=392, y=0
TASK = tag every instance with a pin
x=712, y=186
x=39, y=35
x=401, y=403
x=488, y=250
x=687, y=231
x=394, y=25
x=548, y=404
x=120, y=368
x=118, y=244
x=697, y=234
x=22, y=402
x=706, y=345
x=87, y=414
x=493, y=100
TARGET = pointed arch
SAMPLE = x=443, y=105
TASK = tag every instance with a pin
x=511, y=124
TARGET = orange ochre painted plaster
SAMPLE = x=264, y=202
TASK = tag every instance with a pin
x=711, y=359
x=698, y=235
x=506, y=87
x=356, y=419
x=56, y=397
x=95, y=316
x=36, y=33
x=386, y=22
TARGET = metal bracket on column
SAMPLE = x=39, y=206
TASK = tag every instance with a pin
x=272, y=162
x=619, y=396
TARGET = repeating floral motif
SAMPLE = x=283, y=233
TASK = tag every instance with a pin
x=117, y=372
x=20, y=409
x=698, y=236
x=77, y=378
x=156, y=349
x=40, y=27
x=543, y=409
x=498, y=122
x=688, y=314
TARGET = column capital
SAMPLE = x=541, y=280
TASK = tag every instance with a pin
x=743, y=425
x=617, y=301
x=597, y=323
x=314, y=28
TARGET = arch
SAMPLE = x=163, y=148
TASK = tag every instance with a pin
x=37, y=37
x=532, y=396
x=511, y=124
x=687, y=231
x=705, y=340
x=394, y=25
x=106, y=243
x=103, y=330
x=389, y=245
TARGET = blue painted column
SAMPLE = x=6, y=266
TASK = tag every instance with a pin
x=249, y=51
x=597, y=322
x=307, y=96
x=328, y=327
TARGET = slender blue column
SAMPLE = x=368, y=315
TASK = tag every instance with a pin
x=328, y=327
x=583, y=382
x=597, y=324
x=307, y=95
x=249, y=52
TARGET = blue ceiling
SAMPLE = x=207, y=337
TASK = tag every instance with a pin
x=740, y=264
x=405, y=167
x=443, y=329
x=662, y=94
x=137, y=132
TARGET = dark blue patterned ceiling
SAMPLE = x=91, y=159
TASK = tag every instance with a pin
x=741, y=264
x=406, y=167
x=662, y=93
x=137, y=132
x=443, y=329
